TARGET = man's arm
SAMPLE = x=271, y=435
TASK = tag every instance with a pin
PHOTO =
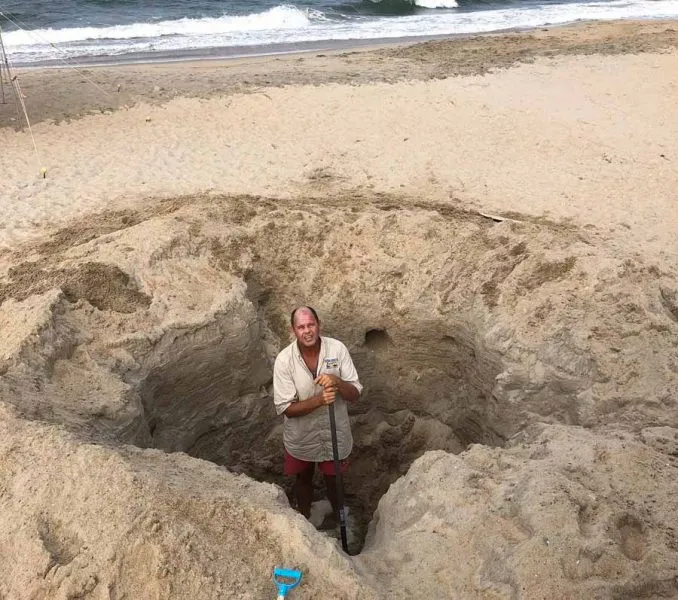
x=304, y=407
x=348, y=391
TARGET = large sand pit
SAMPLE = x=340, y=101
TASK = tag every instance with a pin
x=157, y=328
x=501, y=266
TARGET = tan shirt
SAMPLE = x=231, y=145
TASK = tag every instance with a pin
x=309, y=437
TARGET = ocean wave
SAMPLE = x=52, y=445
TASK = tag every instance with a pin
x=285, y=25
x=437, y=3
x=399, y=7
x=277, y=18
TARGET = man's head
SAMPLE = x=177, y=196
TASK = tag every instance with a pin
x=305, y=326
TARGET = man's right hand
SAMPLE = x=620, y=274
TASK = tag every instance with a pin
x=328, y=396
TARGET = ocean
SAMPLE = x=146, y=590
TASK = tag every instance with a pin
x=46, y=31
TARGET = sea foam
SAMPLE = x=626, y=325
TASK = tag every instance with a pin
x=436, y=3
x=287, y=24
x=277, y=18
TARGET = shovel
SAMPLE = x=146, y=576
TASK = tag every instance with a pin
x=339, y=481
x=285, y=580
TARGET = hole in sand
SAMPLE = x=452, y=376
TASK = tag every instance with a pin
x=204, y=381
x=376, y=339
x=208, y=393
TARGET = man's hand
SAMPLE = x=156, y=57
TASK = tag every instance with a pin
x=328, y=381
x=304, y=407
x=329, y=395
x=338, y=386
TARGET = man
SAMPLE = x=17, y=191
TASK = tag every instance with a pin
x=309, y=375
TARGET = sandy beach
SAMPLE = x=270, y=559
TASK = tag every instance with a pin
x=488, y=223
x=582, y=127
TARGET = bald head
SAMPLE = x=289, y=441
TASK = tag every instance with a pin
x=305, y=310
x=306, y=327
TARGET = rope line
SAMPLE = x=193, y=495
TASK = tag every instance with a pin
x=64, y=61
x=16, y=87
x=43, y=170
x=20, y=97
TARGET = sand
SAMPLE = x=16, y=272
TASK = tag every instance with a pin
x=488, y=223
x=589, y=138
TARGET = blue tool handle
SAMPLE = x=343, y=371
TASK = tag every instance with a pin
x=285, y=580
x=291, y=573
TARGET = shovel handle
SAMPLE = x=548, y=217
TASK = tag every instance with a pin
x=338, y=480
x=285, y=580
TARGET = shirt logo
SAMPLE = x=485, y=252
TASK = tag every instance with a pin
x=331, y=363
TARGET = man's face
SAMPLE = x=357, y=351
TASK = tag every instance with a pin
x=306, y=329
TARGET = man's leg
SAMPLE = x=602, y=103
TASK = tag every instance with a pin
x=304, y=490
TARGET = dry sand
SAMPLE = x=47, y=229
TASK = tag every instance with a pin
x=488, y=223
x=588, y=136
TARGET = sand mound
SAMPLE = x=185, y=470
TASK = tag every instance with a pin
x=89, y=521
x=583, y=514
x=157, y=328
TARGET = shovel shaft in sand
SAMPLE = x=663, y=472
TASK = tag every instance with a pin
x=338, y=479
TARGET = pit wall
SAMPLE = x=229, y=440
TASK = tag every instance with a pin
x=474, y=326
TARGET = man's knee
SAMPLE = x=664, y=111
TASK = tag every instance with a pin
x=306, y=476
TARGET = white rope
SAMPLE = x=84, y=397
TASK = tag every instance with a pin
x=20, y=96
x=65, y=60
x=17, y=87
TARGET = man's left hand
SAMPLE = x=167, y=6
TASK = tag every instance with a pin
x=328, y=381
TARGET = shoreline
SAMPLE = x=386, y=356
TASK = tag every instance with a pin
x=227, y=53
x=64, y=93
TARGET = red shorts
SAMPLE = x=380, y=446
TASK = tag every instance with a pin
x=294, y=466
